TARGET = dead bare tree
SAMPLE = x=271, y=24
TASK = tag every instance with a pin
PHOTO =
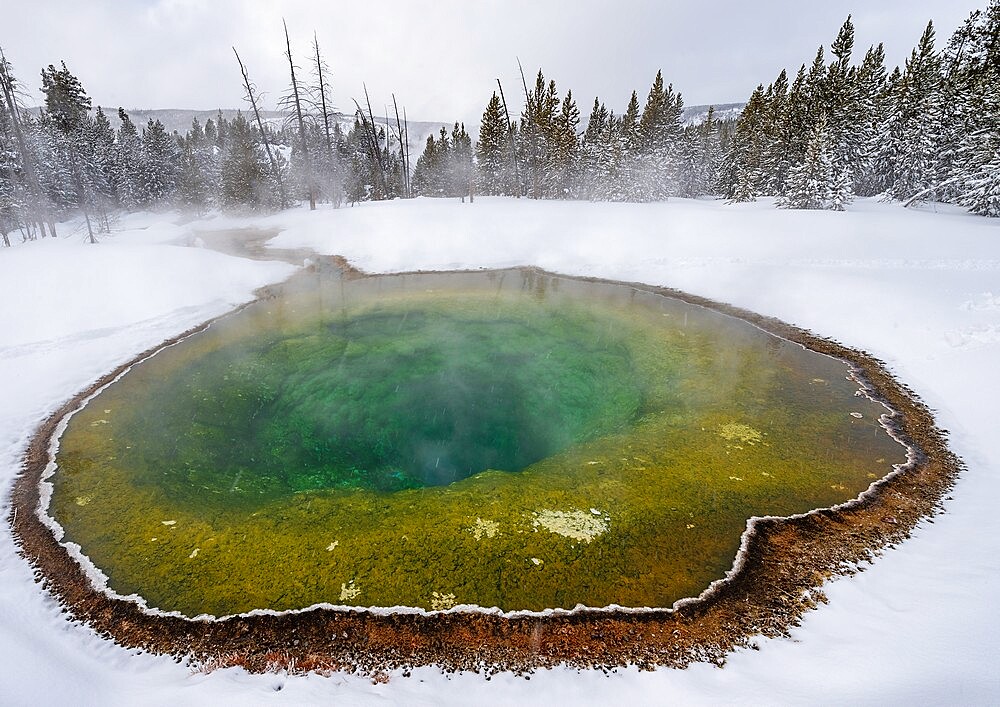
x=35, y=195
x=406, y=143
x=510, y=133
x=402, y=152
x=526, y=127
x=378, y=151
x=251, y=97
x=304, y=145
x=374, y=150
x=325, y=108
x=321, y=89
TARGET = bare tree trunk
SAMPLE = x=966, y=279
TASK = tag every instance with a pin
x=27, y=164
x=402, y=154
x=513, y=146
x=373, y=149
x=302, y=125
x=378, y=151
x=331, y=159
x=260, y=126
x=534, y=157
x=924, y=192
x=406, y=131
x=81, y=193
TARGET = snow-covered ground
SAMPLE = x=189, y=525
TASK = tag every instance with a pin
x=919, y=289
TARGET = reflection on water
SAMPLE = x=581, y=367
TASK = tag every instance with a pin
x=504, y=439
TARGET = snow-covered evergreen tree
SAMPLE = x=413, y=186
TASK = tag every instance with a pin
x=742, y=175
x=816, y=182
x=127, y=158
x=973, y=72
x=660, y=136
x=913, y=131
x=429, y=174
x=494, y=159
x=198, y=173
x=156, y=177
x=872, y=112
x=595, y=159
x=561, y=168
x=247, y=180
x=64, y=123
x=538, y=137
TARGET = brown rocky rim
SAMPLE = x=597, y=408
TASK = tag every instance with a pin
x=777, y=577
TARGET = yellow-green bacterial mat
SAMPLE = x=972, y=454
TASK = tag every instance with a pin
x=504, y=438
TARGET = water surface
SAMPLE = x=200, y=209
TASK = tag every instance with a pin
x=506, y=439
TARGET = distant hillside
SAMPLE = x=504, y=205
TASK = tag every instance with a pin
x=694, y=115
x=179, y=120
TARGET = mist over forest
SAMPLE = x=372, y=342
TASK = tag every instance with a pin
x=840, y=125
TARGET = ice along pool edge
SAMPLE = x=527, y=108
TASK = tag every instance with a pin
x=775, y=577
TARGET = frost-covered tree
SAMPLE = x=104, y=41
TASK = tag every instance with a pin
x=700, y=157
x=913, y=131
x=742, y=176
x=197, y=169
x=460, y=175
x=538, y=139
x=66, y=116
x=561, y=172
x=972, y=63
x=872, y=112
x=445, y=166
x=596, y=158
x=494, y=160
x=817, y=182
x=156, y=176
x=247, y=179
x=660, y=134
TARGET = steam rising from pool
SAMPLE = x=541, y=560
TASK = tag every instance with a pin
x=503, y=439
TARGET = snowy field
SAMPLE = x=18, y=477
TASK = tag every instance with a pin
x=918, y=289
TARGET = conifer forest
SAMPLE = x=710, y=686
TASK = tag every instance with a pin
x=842, y=124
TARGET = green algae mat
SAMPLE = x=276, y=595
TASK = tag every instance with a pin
x=508, y=439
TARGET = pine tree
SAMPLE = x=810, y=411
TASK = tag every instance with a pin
x=493, y=157
x=427, y=172
x=67, y=106
x=459, y=168
x=775, y=136
x=843, y=110
x=815, y=182
x=973, y=59
x=247, y=179
x=660, y=133
x=99, y=148
x=873, y=111
x=562, y=157
x=156, y=176
x=28, y=203
x=700, y=155
x=594, y=163
x=914, y=127
x=65, y=100
x=198, y=173
x=538, y=136
x=742, y=172
x=127, y=158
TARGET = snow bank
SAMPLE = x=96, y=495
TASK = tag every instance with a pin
x=918, y=289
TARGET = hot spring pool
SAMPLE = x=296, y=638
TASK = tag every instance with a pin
x=503, y=438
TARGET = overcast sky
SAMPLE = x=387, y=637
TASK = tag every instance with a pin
x=442, y=58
